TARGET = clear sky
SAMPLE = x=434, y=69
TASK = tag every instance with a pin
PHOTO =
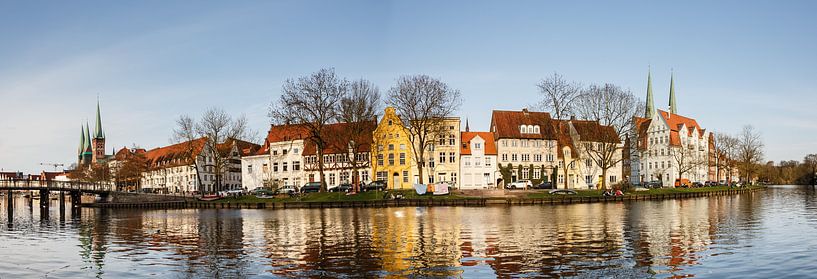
x=735, y=62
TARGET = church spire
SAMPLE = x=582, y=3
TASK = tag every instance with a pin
x=467, y=129
x=81, y=141
x=673, y=106
x=650, y=106
x=98, y=131
x=87, y=147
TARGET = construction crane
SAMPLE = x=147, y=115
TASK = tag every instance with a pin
x=55, y=165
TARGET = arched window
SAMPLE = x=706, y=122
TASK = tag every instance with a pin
x=536, y=129
x=524, y=129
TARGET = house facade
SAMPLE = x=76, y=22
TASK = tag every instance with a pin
x=346, y=156
x=442, y=154
x=478, y=169
x=392, y=157
x=526, y=144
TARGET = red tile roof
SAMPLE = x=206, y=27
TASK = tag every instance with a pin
x=563, y=139
x=642, y=126
x=279, y=133
x=488, y=137
x=675, y=123
x=337, y=135
x=506, y=124
x=594, y=132
x=168, y=155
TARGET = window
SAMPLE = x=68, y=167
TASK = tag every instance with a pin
x=391, y=159
x=295, y=151
x=525, y=174
x=487, y=161
x=613, y=179
x=477, y=146
x=537, y=157
x=525, y=157
x=504, y=157
x=275, y=167
x=284, y=152
x=442, y=157
x=504, y=143
x=561, y=178
x=405, y=177
x=249, y=168
x=364, y=176
x=379, y=147
x=296, y=165
x=452, y=140
x=402, y=158
x=588, y=179
x=331, y=178
x=477, y=161
x=537, y=174
x=390, y=122
x=391, y=146
x=344, y=177
x=588, y=163
x=442, y=141
x=550, y=157
x=514, y=143
x=513, y=157
x=523, y=129
x=454, y=177
x=452, y=157
x=402, y=146
x=524, y=143
x=274, y=152
x=536, y=129
x=466, y=161
x=431, y=163
x=381, y=175
x=284, y=166
x=379, y=159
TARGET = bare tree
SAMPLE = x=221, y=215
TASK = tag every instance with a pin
x=685, y=159
x=424, y=103
x=311, y=101
x=558, y=95
x=359, y=109
x=185, y=133
x=613, y=106
x=749, y=151
x=726, y=150
x=220, y=131
x=810, y=164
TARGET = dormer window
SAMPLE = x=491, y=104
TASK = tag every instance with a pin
x=536, y=129
x=524, y=129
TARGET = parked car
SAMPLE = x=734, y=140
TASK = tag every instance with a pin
x=697, y=184
x=562, y=192
x=345, y=187
x=311, y=187
x=682, y=183
x=377, y=185
x=544, y=185
x=654, y=184
x=520, y=184
x=288, y=189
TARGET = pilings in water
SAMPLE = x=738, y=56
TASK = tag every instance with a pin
x=45, y=199
x=62, y=205
x=10, y=207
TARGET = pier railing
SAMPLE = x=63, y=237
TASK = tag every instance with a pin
x=24, y=184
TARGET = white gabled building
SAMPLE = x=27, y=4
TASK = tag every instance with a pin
x=669, y=146
x=478, y=169
x=279, y=161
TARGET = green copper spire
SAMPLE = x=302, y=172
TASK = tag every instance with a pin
x=81, y=141
x=98, y=131
x=650, y=106
x=673, y=106
x=87, y=148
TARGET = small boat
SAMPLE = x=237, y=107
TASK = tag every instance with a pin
x=421, y=189
x=209, y=198
x=264, y=196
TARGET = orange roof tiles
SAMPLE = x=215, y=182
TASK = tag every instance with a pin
x=336, y=136
x=176, y=154
x=507, y=124
x=488, y=137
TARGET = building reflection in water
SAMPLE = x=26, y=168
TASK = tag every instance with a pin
x=635, y=239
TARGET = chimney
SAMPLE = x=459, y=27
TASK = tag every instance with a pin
x=525, y=110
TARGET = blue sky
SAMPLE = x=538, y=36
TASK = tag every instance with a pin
x=735, y=63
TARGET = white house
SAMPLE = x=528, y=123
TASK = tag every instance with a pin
x=478, y=167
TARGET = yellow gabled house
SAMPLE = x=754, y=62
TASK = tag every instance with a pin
x=391, y=153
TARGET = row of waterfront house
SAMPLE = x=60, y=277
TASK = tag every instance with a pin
x=518, y=145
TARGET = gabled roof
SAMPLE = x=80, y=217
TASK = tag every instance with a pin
x=676, y=123
x=287, y=132
x=126, y=152
x=245, y=148
x=592, y=131
x=167, y=155
x=506, y=124
x=642, y=126
x=337, y=135
x=488, y=137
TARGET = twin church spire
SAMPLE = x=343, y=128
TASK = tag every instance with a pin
x=91, y=148
x=650, y=106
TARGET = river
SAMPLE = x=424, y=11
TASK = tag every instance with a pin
x=765, y=234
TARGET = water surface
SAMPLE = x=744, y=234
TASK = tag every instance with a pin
x=765, y=234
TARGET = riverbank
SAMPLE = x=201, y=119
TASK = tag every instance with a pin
x=410, y=198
